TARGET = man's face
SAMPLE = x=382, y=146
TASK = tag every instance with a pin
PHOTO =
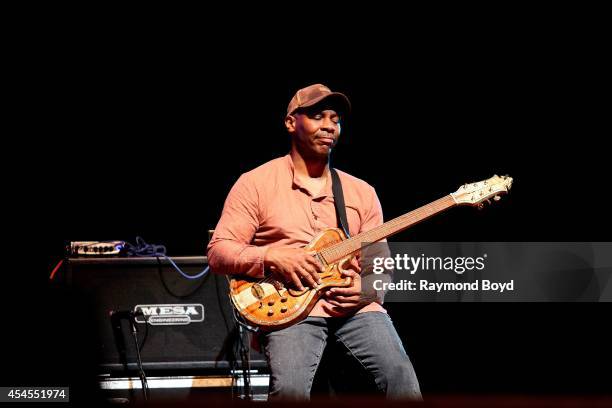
x=315, y=131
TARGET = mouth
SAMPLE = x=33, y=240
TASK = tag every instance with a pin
x=327, y=141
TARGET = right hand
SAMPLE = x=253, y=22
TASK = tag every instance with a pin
x=293, y=265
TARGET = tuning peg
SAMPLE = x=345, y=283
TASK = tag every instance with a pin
x=497, y=198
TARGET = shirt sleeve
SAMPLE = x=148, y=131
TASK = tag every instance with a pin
x=372, y=219
x=373, y=215
x=230, y=250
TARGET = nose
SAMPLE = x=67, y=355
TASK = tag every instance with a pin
x=329, y=126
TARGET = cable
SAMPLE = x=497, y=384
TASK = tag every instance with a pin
x=141, y=373
x=151, y=250
x=56, y=269
x=146, y=333
x=242, y=349
x=170, y=291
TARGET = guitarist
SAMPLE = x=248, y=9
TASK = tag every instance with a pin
x=273, y=211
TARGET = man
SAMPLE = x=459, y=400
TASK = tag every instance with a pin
x=271, y=213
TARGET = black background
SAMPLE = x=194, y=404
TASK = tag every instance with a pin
x=118, y=142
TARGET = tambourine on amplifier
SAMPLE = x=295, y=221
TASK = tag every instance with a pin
x=95, y=248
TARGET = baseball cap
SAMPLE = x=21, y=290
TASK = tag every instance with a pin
x=314, y=94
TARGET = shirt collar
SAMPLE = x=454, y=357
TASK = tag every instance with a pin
x=295, y=180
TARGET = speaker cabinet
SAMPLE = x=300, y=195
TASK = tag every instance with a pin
x=182, y=324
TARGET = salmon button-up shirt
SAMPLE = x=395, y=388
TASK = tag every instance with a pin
x=270, y=207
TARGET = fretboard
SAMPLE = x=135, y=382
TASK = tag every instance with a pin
x=343, y=249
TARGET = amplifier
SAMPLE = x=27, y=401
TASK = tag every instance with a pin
x=182, y=323
x=95, y=248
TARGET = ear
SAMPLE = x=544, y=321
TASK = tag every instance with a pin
x=290, y=122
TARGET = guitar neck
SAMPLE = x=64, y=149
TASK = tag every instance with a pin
x=343, y=249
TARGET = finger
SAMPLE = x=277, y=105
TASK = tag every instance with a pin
x=296, y=280
x=346, y=299
x=344, y=291
x=329, y=308
x=349, y=272
x=313, y=267
x=315, y=262
x=312, y=271
x=306, y=276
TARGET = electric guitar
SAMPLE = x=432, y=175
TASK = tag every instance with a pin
x=270, y=305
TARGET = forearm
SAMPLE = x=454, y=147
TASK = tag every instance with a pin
x=230, y=257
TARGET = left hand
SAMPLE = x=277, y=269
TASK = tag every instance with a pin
x=347, y=299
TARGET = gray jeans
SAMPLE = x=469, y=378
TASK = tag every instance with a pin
x=294, y=354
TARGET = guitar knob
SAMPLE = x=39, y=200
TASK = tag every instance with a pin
x=271, y=303
x=283, y=299
x=283, y=309
x=270, y=312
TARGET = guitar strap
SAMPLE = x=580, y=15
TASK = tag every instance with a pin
x=339, y=201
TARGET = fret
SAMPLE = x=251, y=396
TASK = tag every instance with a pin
x=394, y=226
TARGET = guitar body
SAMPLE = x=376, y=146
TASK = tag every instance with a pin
x=270, y=305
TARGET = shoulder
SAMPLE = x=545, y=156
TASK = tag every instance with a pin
x=267, y=169
x=353, y=182
x=262, y=174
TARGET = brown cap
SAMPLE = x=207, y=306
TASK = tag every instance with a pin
x=314, y=94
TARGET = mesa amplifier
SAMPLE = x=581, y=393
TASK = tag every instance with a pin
x=181, y=323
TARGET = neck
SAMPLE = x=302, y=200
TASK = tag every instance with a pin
x=304, y=165
x=344, y=248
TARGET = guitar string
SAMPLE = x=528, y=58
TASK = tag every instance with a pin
x=346, y=247
x=411, y=217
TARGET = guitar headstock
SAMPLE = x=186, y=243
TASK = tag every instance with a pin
x=476, y=194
